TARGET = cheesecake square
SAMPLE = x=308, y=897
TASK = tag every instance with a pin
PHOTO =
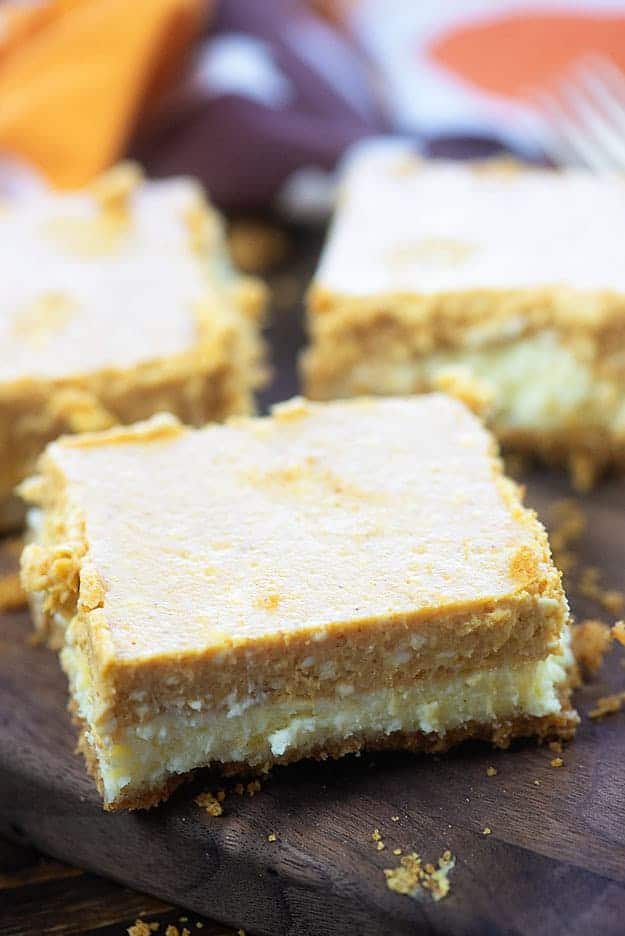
x=500, y=283
x=329, y=578
x=118, y=302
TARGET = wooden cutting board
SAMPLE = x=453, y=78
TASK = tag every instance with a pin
x=554, y=863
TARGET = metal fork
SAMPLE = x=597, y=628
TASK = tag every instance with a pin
x=583, y=116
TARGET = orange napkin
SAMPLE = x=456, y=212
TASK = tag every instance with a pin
x=76, y=75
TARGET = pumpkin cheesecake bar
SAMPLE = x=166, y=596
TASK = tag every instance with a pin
x=329, y=578
x=117, y=302
x=503, y=284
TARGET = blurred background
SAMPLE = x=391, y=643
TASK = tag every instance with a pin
x=260, y=100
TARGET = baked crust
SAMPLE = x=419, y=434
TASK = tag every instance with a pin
x=210, y=374
x=367, y=338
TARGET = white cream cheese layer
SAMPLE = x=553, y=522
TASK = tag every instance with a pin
x=536, y=382
x=177, y=742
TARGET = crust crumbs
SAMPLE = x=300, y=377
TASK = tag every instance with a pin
x=210, y=803
x=414, y=879
x=618, y=632
x=590, y=642
x=257, y=247
x=174, y=931
x=141, y=928
x=556, y=762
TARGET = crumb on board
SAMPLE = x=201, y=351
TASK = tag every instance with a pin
x=536, y=782
x=618, y=632
x=257, y=247
x=491, y=771
x=376, y=837
x=613, y=600
x=556, y=762
x=590, y=641
x=487, y=830
x=241, y=932
x=272, y=837
x=174, y=931
x=141, y=928
x=394, y=818
x=209, y=803
x=608, y=705
x=414, y=879
x=397, y=851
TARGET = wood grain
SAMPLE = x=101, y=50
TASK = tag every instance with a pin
x=554, y=863
x=47, y=898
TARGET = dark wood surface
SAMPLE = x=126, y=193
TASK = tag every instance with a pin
x=554, y=863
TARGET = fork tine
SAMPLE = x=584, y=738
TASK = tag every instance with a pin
x=556, y=148
x=577, y=140
x=612, y=77
x=606, y=95
x=591, y=120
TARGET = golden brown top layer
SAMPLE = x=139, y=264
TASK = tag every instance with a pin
x=404, y=226
x=123, y=272
x=189, y=541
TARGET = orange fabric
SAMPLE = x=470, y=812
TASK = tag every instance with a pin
x=509, y=54
x=75, y=76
